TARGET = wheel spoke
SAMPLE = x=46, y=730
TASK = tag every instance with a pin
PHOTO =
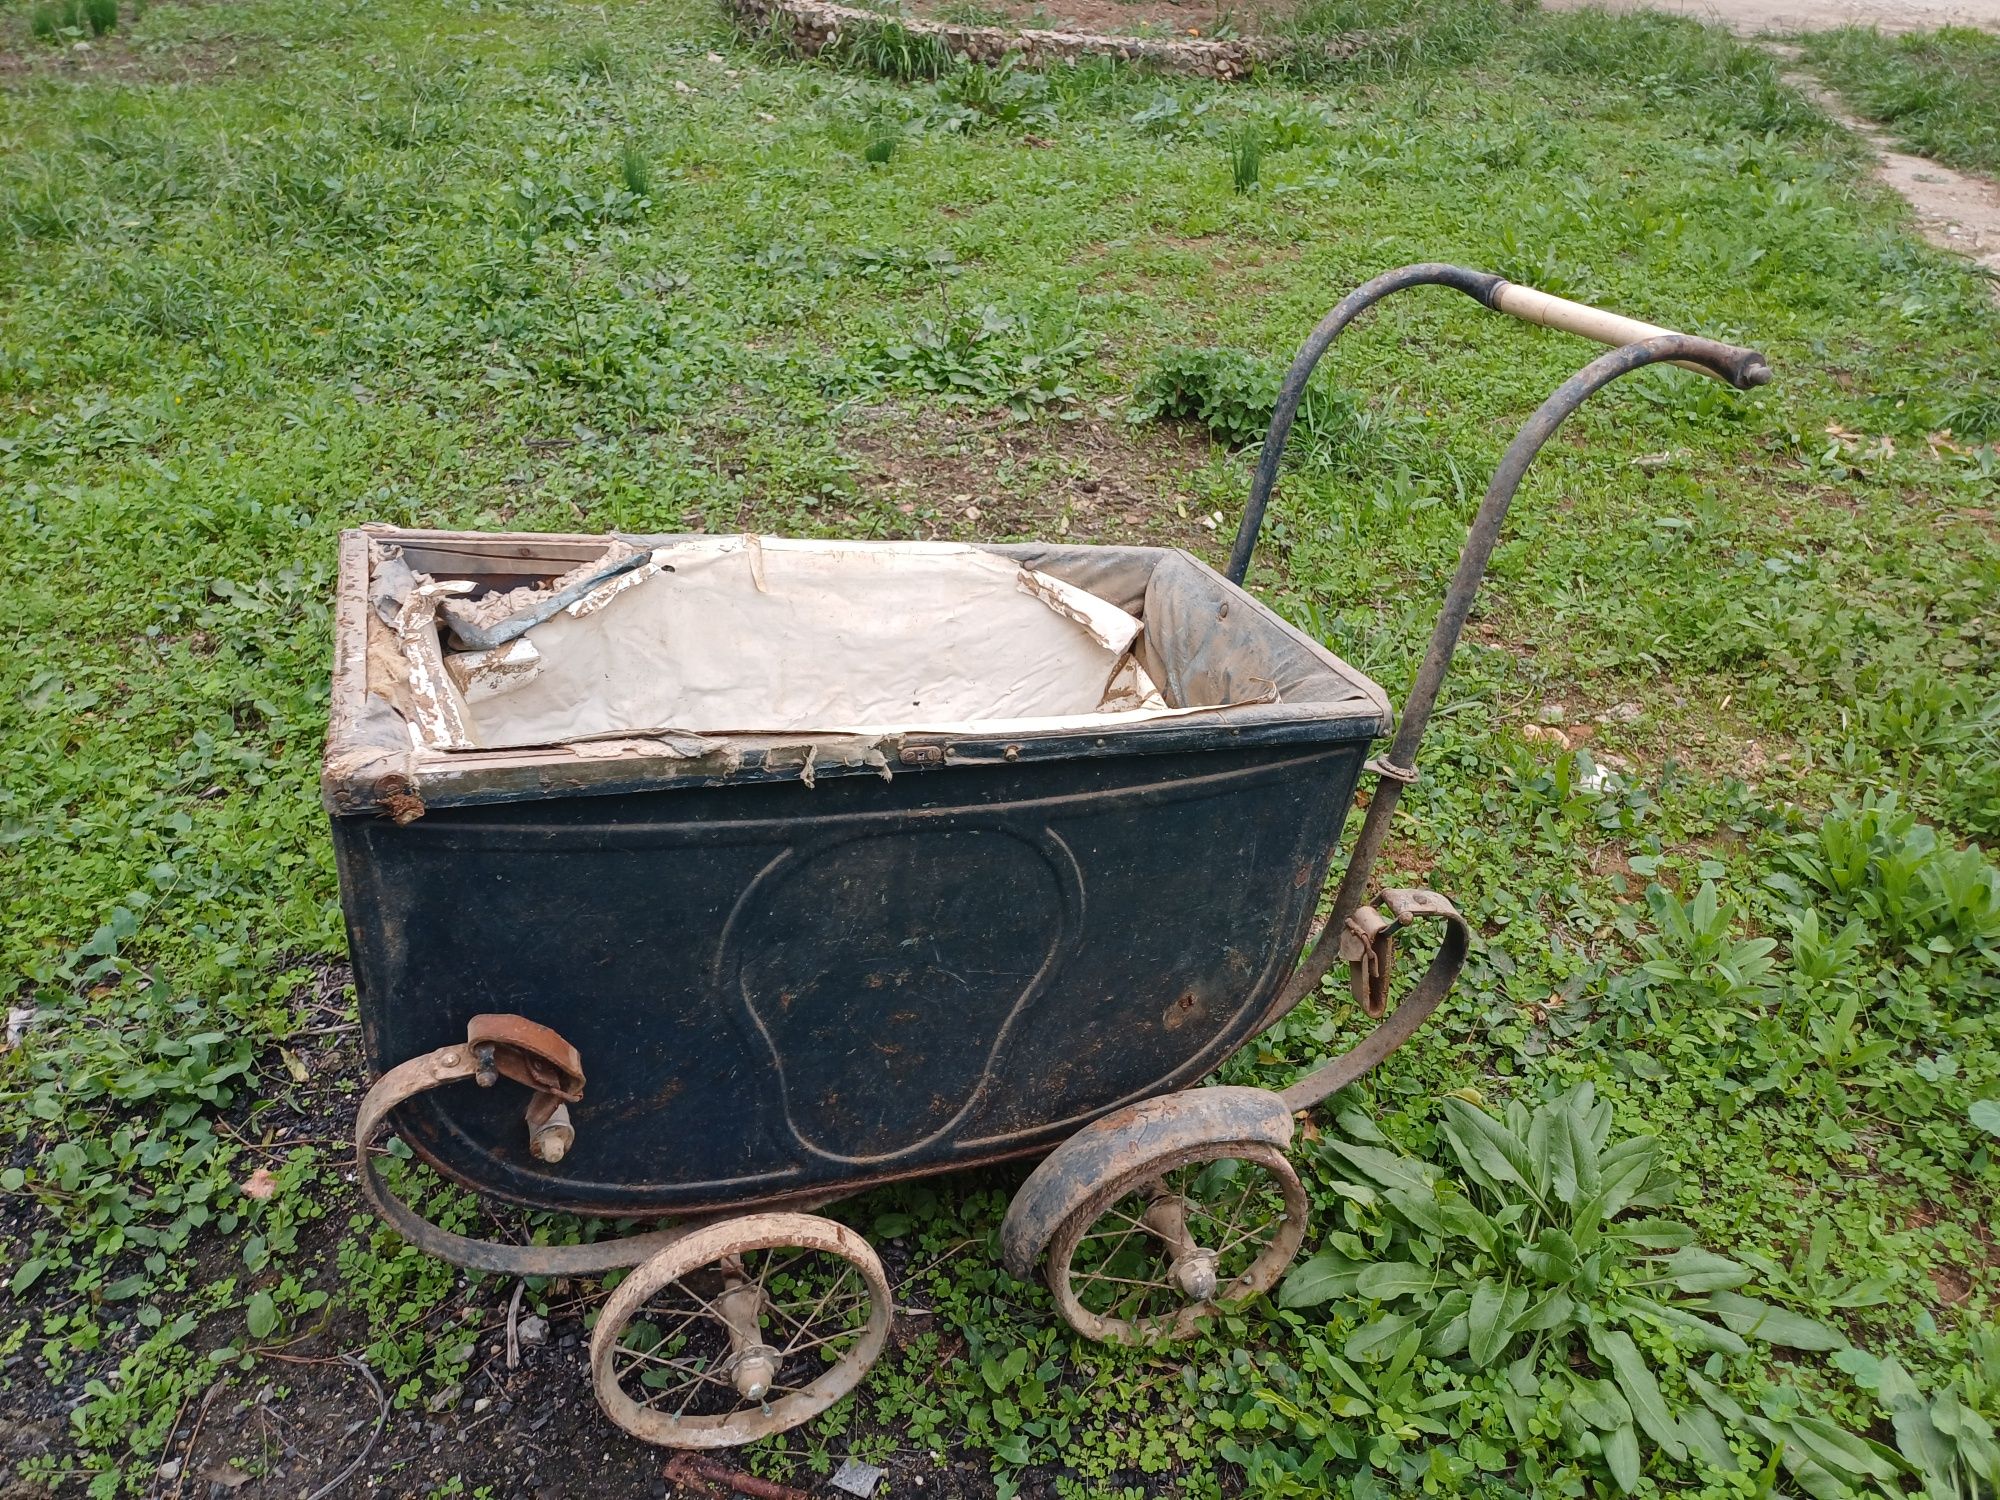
x=844, y=1333
x=706, y=1306
x=1236, y=1209
x=1249, y=1235
x=674, y=1332
x=1089, y=1277
x=1139, y=1223
x=797, y=1328
x=692, y=1384
x=1112, y=1257
x=1229, y=1223
x=769, y=1270
x=840, y=1281
x=640, y=1357
x=1115, y=1279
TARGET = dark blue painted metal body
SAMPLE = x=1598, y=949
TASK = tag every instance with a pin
x=781, y=990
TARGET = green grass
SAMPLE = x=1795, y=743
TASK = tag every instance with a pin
x=516, y=267
x=48, y=20
x=1938, y=90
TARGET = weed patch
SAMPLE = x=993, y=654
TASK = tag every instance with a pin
x=986, y=355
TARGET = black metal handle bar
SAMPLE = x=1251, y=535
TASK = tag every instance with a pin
x=1742, y=368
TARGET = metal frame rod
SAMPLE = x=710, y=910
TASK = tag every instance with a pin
x=1680, y=348
x=1479, y=285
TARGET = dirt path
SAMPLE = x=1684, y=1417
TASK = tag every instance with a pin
x=1956, y=211
x=1751, y=17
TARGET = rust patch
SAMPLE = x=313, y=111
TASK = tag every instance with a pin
x=668, y=1092
x=402, y=804
x=690, y=1471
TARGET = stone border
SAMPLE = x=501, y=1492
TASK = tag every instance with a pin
x=810, y=27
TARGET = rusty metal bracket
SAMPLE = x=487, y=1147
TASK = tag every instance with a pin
x=527, y=1052
x=1368, y=948
x=505, y=1046
x=496, y=1047
x=1368, y=943
x=1381, y=765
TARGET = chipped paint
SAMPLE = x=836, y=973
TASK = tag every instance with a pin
x=439, y=718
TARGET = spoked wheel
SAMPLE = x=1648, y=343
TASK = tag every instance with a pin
x=1152, y=1251
x=740, y=1330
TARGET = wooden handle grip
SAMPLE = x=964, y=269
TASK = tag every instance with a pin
x=1531, y=306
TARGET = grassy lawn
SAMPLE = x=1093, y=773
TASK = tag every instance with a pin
x=1939, y=90
x=1712, y=777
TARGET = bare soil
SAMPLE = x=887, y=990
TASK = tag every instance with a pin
x=120, y=58
x=987, y=477
x=306, y=1414
x=1757, y=17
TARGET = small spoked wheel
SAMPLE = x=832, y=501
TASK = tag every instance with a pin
x=1152, y=1251
x=740, y=1330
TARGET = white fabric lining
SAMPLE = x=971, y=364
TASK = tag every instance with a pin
x=768, y=635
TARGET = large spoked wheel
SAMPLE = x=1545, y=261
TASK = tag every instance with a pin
x=1151, y=1252
x=740, y=1330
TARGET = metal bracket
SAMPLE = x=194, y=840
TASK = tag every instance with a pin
x=1368, y=946
x=1389, y=770
x=530, y=1054
x=496, y=1046
x=1368, y=943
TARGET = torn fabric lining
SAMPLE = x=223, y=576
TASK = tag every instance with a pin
x=766, y=635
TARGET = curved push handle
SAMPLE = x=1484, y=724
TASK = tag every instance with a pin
x=1740, y=367
x=1729, y=363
